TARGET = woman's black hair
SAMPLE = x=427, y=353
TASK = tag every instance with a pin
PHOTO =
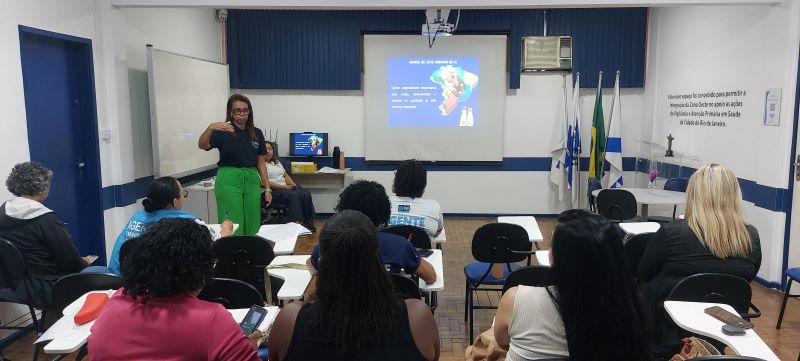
x=410, y=179
x=367, y=197
x=250, y=125
x=161, y=193
x=172, y=257
x=352, y=313
x=595, y=294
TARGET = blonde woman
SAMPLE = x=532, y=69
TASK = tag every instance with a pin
x=713, y=238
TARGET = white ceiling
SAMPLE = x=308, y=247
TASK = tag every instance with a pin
x=422, y=4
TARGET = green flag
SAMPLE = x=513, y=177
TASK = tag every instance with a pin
x=598, y=136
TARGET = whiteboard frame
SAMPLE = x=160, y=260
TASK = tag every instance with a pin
x=153, y=111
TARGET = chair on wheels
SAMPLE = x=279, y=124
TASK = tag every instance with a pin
x=536, y=276
x=274, y=213
x=493, y=243
x=245, y=258
x=616, y=204
x=231, y=293
x=717, y=288
x=792, y=274
x=634, y=250
x=406, y=286
x=672, y=184
x=417, y=236
x=594, y=185
x=71, y=287
x=13, y=273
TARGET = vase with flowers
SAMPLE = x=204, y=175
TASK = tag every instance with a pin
x=653, y=174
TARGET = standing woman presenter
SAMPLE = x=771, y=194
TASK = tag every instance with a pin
x=242, y=165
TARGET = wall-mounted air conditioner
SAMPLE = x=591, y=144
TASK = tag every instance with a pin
x=541, y=53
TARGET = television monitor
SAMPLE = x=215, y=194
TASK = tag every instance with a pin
x=308, y=144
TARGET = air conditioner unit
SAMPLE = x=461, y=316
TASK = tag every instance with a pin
x=541, y=53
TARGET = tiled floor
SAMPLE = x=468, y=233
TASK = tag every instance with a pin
x=450, y=314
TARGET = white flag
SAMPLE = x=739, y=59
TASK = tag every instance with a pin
x=614, y=142
x=558, y=166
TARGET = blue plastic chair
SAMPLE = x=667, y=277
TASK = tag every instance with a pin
x=792, y=274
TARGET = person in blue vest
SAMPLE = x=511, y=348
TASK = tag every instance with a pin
x=165, y=197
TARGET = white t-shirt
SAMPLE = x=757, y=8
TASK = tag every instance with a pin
x=418, y=212
x=275, y=172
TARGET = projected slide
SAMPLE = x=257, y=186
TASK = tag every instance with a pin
x=433, y=92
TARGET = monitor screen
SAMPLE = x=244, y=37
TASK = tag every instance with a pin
x=308, y=144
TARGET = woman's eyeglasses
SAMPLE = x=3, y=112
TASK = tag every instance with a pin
x=185, y=193
x=240, y=111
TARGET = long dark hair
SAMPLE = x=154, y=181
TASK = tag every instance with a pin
x=352, y=312
x=274, y=159
x=410, y=179
x=161, y=193
x=595, y=292
x=249, y=126
x=172, y=257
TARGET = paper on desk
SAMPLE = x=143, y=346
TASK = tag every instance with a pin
x=66, y=329
x=330, y=170
x=280, y=233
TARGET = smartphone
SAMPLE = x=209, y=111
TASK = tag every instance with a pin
x=728, y=318
x=424, y=252
x=253, y=318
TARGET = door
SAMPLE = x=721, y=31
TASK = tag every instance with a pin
x=58, y=83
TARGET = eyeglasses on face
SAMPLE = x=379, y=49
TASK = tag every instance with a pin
x=185, y=193
x=240, y=111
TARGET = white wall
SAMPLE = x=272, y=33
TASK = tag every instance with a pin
x=530, y=118
x=752, y=48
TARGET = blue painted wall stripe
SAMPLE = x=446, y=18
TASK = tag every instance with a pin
x=773, y=199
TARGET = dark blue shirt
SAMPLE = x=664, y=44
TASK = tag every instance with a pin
x=398, y=254
x=237, y=149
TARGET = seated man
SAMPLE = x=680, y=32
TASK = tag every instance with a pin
x=408, y=206
x=398, y=254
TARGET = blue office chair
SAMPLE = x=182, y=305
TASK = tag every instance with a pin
x=792, y=274
x=672, y=184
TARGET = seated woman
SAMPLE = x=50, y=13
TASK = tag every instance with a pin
x=408, y=206
x=713, y=238
x=157, y=315
x=591, y=311
x=286, y=191
x=353, y=318
x=397, y=253
x=165, y=197
x=38, y=233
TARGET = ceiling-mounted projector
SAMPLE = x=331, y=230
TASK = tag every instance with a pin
x=439, y=26
x=438, y=29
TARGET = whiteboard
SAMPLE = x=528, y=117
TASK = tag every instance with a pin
x=186, y=95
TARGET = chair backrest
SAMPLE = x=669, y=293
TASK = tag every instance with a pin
x=676, y=184
x=634, y=250
x=12, y=265
x=500, y=243
x=405, y=286
x=242, y=257
x=594, y=185
x=715, y=288
x=231, y=293
x=616, y=204
x=536, y=276
x=417, y=236
x=71, y=287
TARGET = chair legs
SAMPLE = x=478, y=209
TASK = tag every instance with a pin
x=786, y=296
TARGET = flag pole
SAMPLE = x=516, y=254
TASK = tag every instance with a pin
x=576, y=158
x=608, y=130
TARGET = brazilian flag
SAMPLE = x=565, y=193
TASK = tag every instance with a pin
x=596, y=156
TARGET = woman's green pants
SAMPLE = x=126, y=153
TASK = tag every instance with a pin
x=238, y=192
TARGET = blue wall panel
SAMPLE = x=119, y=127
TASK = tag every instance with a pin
x=294, y=49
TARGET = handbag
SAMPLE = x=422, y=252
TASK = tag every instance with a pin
x=485, y=348
x=694, y=347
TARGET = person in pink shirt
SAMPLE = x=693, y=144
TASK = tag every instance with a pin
x=157, y=315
